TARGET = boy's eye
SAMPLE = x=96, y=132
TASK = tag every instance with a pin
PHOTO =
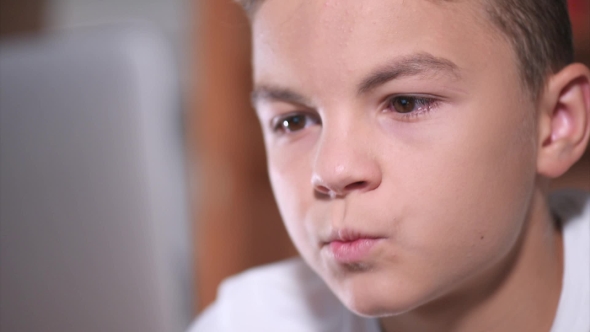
x=408, y=104
x=292, y=123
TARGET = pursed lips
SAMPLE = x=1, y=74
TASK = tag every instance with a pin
x=350, y=246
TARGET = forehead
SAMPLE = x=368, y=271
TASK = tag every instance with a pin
x=309, y=41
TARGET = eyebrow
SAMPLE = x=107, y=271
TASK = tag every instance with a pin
x=275, y=93
x=416, y=64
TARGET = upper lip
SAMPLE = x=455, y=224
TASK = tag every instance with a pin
x=348, y=235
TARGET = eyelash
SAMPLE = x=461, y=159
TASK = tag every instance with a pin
x=278, y=127
x=422, y=105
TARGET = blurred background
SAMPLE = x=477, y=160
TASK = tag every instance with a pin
x=133, y=174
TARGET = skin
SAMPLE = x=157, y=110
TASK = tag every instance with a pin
x=455, y=189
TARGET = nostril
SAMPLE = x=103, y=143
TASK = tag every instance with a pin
x=323, y=190
x=356, y=185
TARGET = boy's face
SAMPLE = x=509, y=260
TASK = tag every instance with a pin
x=402, y=125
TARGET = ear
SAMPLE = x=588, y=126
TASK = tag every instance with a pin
x=564, y=124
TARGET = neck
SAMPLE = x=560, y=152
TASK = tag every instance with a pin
x=521, y=293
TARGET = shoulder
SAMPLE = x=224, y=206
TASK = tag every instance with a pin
x=573, y=209
x=285, y=296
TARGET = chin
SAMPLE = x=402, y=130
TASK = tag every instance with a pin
x=370, y=306
x=370, y=296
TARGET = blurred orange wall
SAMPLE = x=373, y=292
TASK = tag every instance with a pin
x=237, y=223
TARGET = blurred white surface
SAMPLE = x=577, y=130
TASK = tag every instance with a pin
x=173, y=17
x=94, y=230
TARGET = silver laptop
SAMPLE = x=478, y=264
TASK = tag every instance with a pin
x=94, y=230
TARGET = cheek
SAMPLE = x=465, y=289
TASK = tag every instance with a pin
x=468, y=197
x=290, y=177
x=289, y=161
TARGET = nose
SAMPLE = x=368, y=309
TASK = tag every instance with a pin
x=344, y=164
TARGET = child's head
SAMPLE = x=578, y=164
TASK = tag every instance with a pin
x=422, y=128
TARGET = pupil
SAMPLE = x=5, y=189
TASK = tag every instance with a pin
x=294, y=123
x=404, y=105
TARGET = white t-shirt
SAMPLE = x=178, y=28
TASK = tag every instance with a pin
x=289, y=297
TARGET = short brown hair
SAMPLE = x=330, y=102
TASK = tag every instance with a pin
x=538, y=30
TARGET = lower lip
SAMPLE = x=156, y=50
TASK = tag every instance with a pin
x=352, y=251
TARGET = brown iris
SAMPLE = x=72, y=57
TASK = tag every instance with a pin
x=293, y=123
x=404, y=104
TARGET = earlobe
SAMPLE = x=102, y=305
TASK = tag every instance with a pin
x=564, y=124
